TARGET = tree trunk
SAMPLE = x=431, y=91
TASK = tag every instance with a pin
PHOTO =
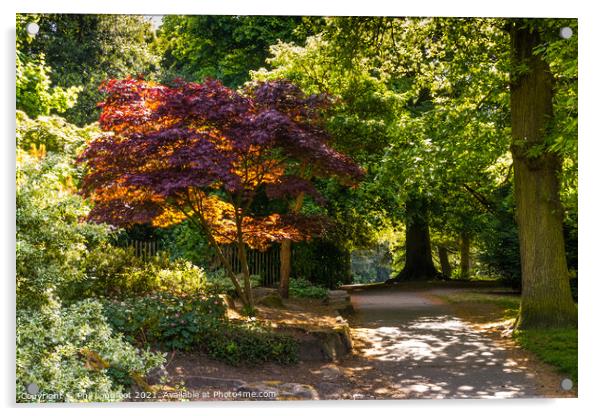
x=464, y=256
x=419, y=261
x=446, y=270
x=286, y=254
x=546, y=298
x=285, y=267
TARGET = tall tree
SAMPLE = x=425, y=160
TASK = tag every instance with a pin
x=546, y=297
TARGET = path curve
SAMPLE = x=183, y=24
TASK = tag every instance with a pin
x=412, y=346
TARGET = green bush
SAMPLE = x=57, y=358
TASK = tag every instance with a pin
x=116, y=272
x=51, y=240
x=185, y=323
x=302, y=288
x=72, y=354
x=165, y=320
x=250, y=343
x=218, y=282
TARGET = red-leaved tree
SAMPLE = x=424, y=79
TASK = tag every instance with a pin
x=203, y=152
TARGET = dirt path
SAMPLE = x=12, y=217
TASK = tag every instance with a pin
x=407, y=345
x=417, y=347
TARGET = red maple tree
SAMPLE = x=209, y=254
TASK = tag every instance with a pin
x=203, y=152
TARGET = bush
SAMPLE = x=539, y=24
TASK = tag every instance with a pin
x=51, y=241
x=165, y=320
x=322, y=262
x=250, y=343
x=302, y=288
x=218, y=282
x=116, y=272
x=71, y=354
x=184, y=323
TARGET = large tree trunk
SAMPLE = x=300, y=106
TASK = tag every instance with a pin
x=446, y=269
x=464, y=255
x=419, y=261
x=546, y=297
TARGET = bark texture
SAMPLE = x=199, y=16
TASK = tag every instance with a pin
x=546, y=297
x=446, y=269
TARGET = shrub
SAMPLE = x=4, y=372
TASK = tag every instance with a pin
x=51, y=241
x=165, y=320
x=218, y=282
x=185, y=323
x=116, y=272
x=71, y=354
x=302, y=288
x=250, y=343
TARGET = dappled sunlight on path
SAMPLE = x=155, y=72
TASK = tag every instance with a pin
x=410, y=346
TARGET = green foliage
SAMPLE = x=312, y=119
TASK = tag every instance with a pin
x=251, y=343
x=186, y=323
x=324, y=263
x=116, y=272
x=73, y=353
x=86, y=49
x=51, y=240
x=302, y=288
x=53, y=133
x=35, y=95
x=165, y=320
x=224, y=47
x=186, y=242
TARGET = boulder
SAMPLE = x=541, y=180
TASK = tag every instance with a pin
x=277, y=390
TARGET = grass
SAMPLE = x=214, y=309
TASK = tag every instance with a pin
x=556, y=347
x=508, y=304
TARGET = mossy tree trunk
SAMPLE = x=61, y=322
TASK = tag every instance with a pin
x=546, y=297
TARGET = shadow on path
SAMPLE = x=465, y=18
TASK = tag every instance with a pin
x=411, y=346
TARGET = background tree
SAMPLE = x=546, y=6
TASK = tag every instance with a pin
x=84, y=50
x=225, y=47
x=203, y=152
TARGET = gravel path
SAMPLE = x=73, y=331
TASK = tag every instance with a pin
x=412, y=346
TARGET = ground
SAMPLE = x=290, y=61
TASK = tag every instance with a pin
x=409, y=343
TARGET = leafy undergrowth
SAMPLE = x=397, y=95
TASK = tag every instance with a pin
x=302, y=288
x=170, y=322
x=557, y=347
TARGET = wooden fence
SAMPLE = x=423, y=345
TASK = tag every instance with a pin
x=144, y=249
x=265, y=264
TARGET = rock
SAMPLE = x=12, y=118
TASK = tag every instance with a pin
x=277, y=390
x=328, y=344
x=272, y=300
x=199, y=382
x=339, y=300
